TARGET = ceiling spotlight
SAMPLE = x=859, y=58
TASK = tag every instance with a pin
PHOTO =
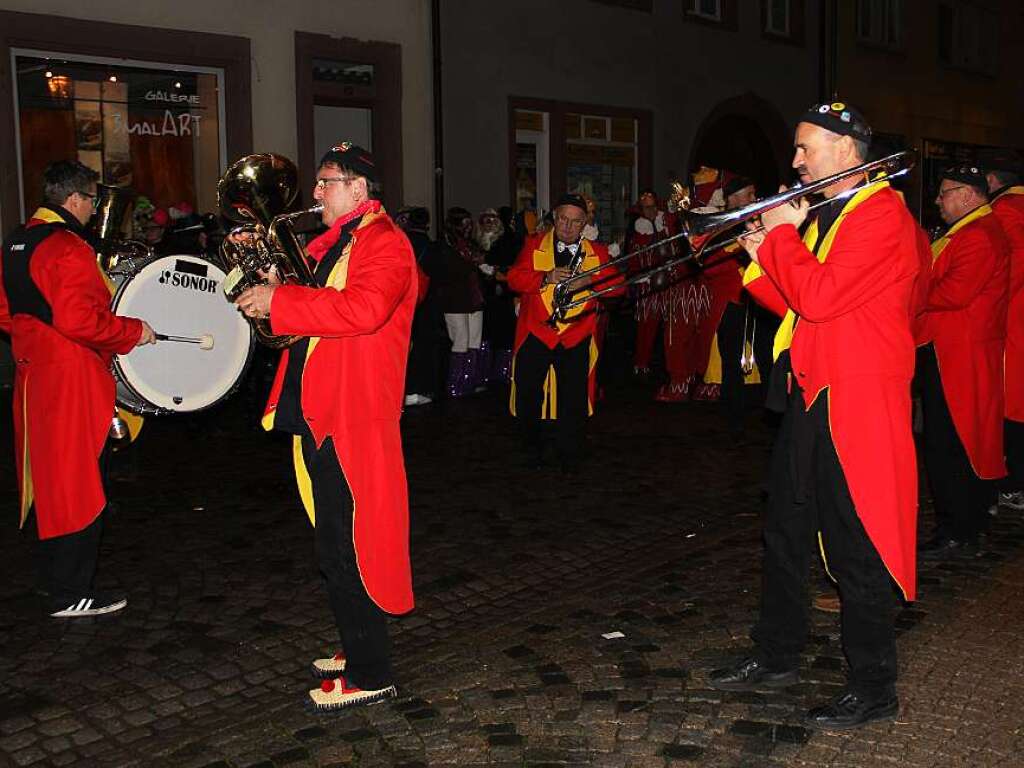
x=49, y=73
x=113, y=78
x=177, y=85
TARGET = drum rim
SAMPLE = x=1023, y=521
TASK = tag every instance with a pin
x=149, y=408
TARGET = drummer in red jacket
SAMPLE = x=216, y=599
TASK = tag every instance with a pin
x=963, y=335
x=339, y=392
x=56, y=308
x=1004, y=172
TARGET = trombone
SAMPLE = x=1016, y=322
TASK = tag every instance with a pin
x=700, y=231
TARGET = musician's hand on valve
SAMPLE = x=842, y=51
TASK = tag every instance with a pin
x=557, y=275
x=751, y=241
x=147, y=336
x=255, y=302
x=794, y=213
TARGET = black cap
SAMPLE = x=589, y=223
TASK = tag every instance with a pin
x=353, y=157
x=571, y=199
x=966, y=173
x=839, y=117
x=1006, y=160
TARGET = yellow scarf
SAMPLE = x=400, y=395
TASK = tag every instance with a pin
x=784, y=336
x=544, y=261
x=940, y=245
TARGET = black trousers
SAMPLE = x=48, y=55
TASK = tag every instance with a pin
x=1013, y=443
x=423, y=374
x=809, y=495
x=730, y=349
x=961, y=498
x=571, y=369
x=66, y=565
x=361, y=624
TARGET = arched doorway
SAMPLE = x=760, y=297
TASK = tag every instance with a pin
x=745, y=135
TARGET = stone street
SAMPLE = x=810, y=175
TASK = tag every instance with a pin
x=520, y=576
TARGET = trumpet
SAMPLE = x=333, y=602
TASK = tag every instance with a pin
x=703, y=231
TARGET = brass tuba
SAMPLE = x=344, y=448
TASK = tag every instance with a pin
x=254, y=193
x=115, y=252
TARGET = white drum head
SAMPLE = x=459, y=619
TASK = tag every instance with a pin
x=181, y=296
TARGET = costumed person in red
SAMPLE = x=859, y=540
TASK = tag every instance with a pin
x=338, y=391
x=56, y=307
x=648, y=225
x=1004, y=172
x=962, y=333
x=843, y=466
x=462, y=301
x=723, y=272
x=554, y=365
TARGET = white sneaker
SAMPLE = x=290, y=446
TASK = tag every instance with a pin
x=338, y=694
x=97, y=604
x=417, y=400
x=328, y=668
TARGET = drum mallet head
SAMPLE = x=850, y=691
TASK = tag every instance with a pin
x=206, y=341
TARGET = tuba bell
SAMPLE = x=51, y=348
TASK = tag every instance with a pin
x=114, y=251
x=254, y=193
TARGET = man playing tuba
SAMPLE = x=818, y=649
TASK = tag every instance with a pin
x=339, y=391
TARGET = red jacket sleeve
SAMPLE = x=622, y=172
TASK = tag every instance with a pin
x=859, y=266
x=764, y=291
x=66, y=272
x=376, y=282
x=522, y=277
x=957, y=281
x=5, y=309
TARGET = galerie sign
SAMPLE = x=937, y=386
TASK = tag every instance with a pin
x=172, y=124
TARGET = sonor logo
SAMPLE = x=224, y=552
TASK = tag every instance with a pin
x=192, y=282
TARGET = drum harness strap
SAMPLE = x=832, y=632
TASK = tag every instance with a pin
x=23, y=295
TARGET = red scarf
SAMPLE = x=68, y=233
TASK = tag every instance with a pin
x=323, y=243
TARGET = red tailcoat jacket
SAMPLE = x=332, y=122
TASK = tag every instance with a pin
x=352, y=390
x=526, y=277
x=63, y=389
x=854, y=337
x=965, y=319
x=1009, y=210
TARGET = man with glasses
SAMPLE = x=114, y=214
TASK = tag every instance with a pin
x=56, y=307
x=553, y=366
x=960, y=365
x=339, y=392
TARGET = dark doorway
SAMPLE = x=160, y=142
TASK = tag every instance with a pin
x=738, y=144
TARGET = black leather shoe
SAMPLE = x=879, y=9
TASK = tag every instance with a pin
x=851, y=710
x=749, y=675
x=942, y=547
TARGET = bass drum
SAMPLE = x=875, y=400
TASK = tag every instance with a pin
x=180, y=296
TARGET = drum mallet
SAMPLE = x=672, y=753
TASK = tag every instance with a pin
x=205, y=341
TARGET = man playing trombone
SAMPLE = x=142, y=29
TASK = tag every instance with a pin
x=843, y=466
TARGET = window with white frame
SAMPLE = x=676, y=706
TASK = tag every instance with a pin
x=880, y=22
x=705, y=9
x=777, y=17
x=969, y=37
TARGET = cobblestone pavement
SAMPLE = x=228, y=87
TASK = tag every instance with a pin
x=518, y=575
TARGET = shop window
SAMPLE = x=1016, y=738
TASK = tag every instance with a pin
x=154, y=128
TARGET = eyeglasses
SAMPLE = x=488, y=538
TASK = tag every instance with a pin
x=93, y=198
x=321, y=184
x=944, y=192
x=570, y=222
